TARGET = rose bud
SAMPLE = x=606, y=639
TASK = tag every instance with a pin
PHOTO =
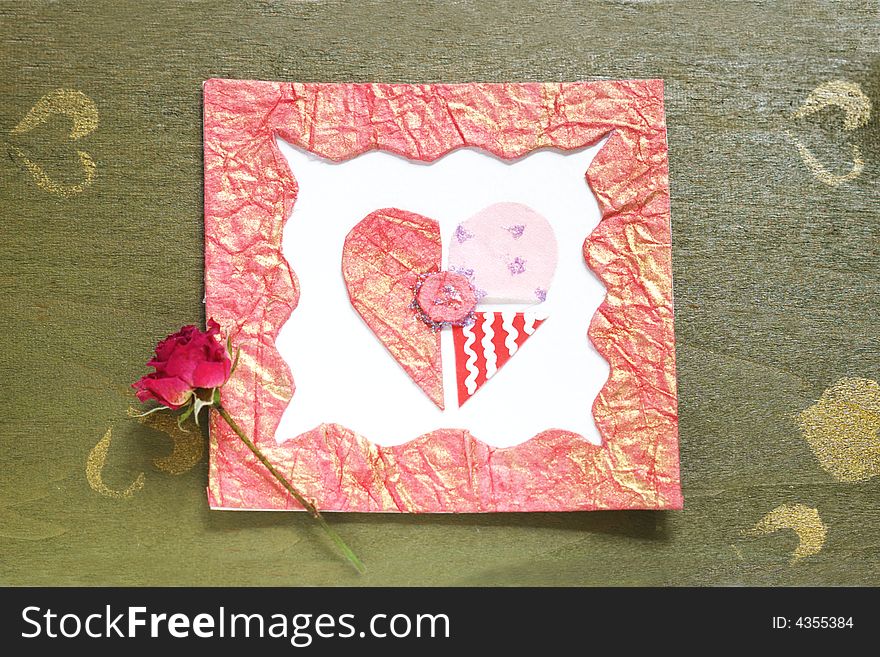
x=185, y=363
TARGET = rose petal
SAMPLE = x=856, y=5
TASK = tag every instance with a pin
x=182, y=363
x=171, y=391
x=165, y=348
x=210, y=375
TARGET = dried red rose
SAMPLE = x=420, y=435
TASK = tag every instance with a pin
x=191, y=365
x=185, y=362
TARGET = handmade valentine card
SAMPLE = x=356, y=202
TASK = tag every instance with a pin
x=447, y=298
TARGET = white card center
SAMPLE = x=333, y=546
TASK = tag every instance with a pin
x=342, y=372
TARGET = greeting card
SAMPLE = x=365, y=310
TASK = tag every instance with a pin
x=447, y=298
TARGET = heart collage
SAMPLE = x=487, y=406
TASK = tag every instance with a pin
x=502, y=257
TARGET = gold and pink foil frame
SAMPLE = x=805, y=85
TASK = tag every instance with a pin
x=252, y=291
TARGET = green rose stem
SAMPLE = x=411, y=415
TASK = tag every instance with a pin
x=308, y=506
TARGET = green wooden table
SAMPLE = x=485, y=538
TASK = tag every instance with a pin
x=775, y=151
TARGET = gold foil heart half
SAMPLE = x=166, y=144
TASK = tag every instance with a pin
x=383, y=257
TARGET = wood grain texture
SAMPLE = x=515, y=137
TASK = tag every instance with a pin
x=777, y=283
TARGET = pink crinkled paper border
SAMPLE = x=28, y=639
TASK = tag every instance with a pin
x=251, y=290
